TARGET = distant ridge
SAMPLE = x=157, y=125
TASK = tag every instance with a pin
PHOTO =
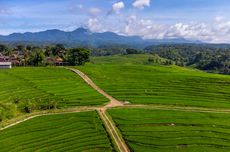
x=84, y=37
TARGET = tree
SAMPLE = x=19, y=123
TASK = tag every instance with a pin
x=4, y=48
x=58, y=50
x=29, y=48
x=48, y=51
x=21, y=48
x=37, y=58
x=132, y=51
x=168, y=62
x=154, y=59
x=78, y=56
x=26, y=58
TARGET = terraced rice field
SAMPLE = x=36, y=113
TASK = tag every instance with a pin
x=156, y=84
x=126, y=78
x=47, y=84
x=132, y=59
x=62, y=132
x=168, y=131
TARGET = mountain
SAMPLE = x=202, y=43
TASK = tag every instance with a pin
x=82, y=37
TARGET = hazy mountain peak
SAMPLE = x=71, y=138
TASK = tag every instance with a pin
x=81, y=30
x=82, y=37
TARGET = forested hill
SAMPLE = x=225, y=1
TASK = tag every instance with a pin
x=210, y=57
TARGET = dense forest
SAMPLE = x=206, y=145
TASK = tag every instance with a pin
x=211, y=58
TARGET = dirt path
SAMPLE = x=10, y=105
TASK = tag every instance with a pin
x=111, y=128
x=113, y=102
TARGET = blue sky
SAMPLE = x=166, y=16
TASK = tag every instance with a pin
x=206, y=20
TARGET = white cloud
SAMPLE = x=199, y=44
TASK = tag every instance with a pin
x=215, y=32
x=95, y=25
x=219, y=18
x=141, y=3
x=118, y=6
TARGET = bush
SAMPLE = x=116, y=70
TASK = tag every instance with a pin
x=27, y=106
x=7, y=111
x=48, y=105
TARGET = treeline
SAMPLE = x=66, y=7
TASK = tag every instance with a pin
x=27, y=55
x=211, y=59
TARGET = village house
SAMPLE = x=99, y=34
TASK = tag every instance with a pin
x=14, y=60
x=56, y=61
x=4, y=64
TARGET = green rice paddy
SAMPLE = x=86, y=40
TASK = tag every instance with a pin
x=47, y=84
x=62, y=132
x=139, y=83
x=146, y=130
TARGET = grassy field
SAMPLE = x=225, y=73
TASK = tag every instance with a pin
x=63, y=132
x=148, y=130
x=129, y=78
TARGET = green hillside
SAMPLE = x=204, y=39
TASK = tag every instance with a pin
x=168, y=131
x=62, y=132
x=157, y=84
x=130, y=59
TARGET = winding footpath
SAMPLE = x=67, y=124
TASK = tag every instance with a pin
x=111, y=128
x=113, y=102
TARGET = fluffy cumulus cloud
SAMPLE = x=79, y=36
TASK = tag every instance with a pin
x=118, y=6
x=216, y=32
x=95, y=25
x=144, y=28
x=141, y=3
x=103, y=24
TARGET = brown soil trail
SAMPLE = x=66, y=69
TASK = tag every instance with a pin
x=111, y=128
x=113, y=102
